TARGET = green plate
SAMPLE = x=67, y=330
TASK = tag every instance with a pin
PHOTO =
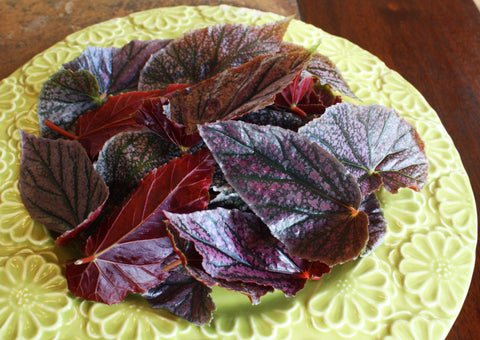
x=412, y=287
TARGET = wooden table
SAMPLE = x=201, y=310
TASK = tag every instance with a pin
x=434, y=44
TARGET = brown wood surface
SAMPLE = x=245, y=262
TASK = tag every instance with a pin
x=435, y=45
x=28, y=27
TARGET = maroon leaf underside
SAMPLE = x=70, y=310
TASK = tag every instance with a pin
x=306, y=197
x=58, y=184
x=184, y=296
x=374, y=143
x=95, y=127
x=237, y=91
x=192, y=261
x=128, y=252
x=152, y=116
x=203, y=53
x=237, y=246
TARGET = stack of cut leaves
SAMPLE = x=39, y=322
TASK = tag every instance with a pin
x=224, y=158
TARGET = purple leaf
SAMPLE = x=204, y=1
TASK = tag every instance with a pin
x=184, y=296
x=201, y=54
x=58, y=184
x=117, y=69
x=305, y=196
x=275, y=117
x=65, y=96
x=374, y=143
x=236, y=92
x=377, y=225
x=237, y=246
x=192, y=261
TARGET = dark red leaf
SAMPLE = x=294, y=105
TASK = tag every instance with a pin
x=96, y=127
x=151, y=115
x=236, y=92
x=129, y=251
x=58, y=183
x=238, y=246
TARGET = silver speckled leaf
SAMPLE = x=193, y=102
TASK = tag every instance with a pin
x=305, y=196
x=374, y=143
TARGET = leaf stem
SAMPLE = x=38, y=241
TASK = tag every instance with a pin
x=85, y=260
x=59, y=130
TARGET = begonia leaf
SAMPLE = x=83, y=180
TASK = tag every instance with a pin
x=95, y=127
x=127, y=157
x=236, y=92
x=117, y=68
x=374, y=143
x=203, y=53
x=192, y=261
x=274, y=116
x=237, y=246
x=130, y=250
x=65, y=97
x=323, y=68
x=377, y=225
x=184, y=296
x=306, y=197
x=58, y=183
x=151, y=115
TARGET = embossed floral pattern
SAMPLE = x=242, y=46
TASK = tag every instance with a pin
x=419, y=328
x=437, y=268
x=10, y=94
x=130, y=321
x=350, y=302
x=238, y=319
x=16, y=224
x=456, y=201
x=32, y=297
x=41, y=68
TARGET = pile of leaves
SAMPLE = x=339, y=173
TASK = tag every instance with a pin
x=225, y=157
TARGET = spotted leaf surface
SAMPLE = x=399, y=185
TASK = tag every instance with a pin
x=192, y=261
x=237, y=91
x=374, y=143
x=65, y=97
x=127, y=157
x=184, y=296
x=117, y=69
x=237, y=246
x=201, y=54
x=58, y=183
x=305, y=196
x=323, y=68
